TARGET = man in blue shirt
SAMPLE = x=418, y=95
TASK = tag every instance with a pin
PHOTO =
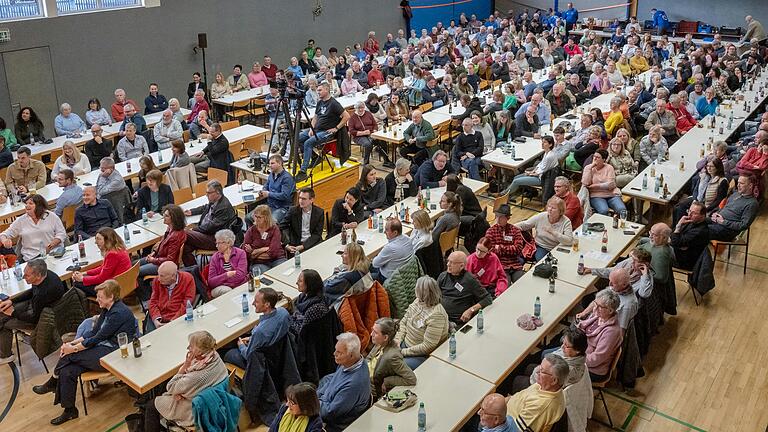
x=345, y=394
x=660, y=20
x=279, y=188
x=94, y=214
x=273, y=325
x=571, y=15
x=394, y=254
x=72, y=195
x=541, y=109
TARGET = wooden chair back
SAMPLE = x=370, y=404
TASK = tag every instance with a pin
x=182, y=195
x=229, y=125
x=127, y=280
x=448, y=239
x=217, y=174
x=200, y=189
x=68, y=217
x=426, y=106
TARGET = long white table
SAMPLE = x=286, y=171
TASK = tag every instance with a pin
x=51, y=192
x=164, y=350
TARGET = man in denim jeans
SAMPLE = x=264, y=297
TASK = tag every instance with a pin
x=329, y=117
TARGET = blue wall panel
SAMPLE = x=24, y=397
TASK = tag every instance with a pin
x=445, y=10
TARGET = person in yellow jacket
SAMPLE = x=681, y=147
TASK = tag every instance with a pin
x=638, y=63
x=615, y=118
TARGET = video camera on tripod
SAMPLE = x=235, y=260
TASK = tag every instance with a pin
x=288, y=91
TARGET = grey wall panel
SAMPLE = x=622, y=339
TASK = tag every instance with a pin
x=517, y=6
x=92, y=54
x=713, y=12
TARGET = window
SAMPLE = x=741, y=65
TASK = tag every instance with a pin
x=14, y=10
x=77, y=6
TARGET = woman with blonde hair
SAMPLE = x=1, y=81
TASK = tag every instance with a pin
x=220, y=87
x=425, y=323
x=349, y=276
x=116, y=261
x=551, y=227
x=421, y=236
x=385, y=360
x=263, y=242
x=622, y=162
x=71, y=158
x=202, y=368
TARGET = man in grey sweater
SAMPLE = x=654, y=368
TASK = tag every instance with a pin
x=738, y=213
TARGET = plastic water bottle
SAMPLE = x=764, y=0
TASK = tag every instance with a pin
x=537, y=307
x=160, y=156
x=645, y=181
x=42, y=250
x=297, y=260
x=381, y=220
x=244, y=303
x=126, y=234
x=190, y=313
x=402, y=212
x=480, y=322
x=422, y=427
x=17, y=271
x=452, y=346
x=144, y=217
x=428, y=195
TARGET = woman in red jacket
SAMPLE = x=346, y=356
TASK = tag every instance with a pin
x=262, y=241
x=754, y=163
x=116, y=261
x=169, y=248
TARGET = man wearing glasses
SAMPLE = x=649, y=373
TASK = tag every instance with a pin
x=690, y=236
x=541, y=405
x=98, y=147
x=217, y=215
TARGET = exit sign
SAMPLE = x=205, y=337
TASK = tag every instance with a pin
x=5, y=35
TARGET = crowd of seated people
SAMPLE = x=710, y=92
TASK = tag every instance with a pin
x=608, y=149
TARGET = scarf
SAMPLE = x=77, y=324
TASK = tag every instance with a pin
x=701, y=192
x=202, y=363
x=373, y=108
x=291, y=423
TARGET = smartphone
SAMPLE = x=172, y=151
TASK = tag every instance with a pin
x=339, y=252
x=629, y=233
x=137, y=231
x=635, y=189
x=466, y=328
x=3, y=297
x=563, y=250
x=266, y=281
x=517, y=159
x=360, y=242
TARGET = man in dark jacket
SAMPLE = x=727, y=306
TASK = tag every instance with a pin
x=467, y=150
x=738, y=214
x=6, y=157
x=217, y=215
x=463, y=295
x=470, y=103
x=24, y=311
x=431, y=174
x=217, y=152
x=416, y=137
x=303, y=225
x=690, y=236
x=94, y=214
x=433, y=93
x=98, y=148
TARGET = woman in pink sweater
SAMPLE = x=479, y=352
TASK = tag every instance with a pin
x=600, y=179
x=487, y=268
x=604, y=335
x=229, y=265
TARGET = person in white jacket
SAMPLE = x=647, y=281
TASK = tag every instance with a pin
x=167, y=131
x=71, y=158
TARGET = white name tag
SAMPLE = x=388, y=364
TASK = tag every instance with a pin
x=509, y=238
x=459, y=287
x=481, y=272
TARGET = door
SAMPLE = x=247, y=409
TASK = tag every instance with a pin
x=29, y=77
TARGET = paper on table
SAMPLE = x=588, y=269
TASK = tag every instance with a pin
x=598, y=256
x=233, y=322
x=289, y=271
x=209, y=309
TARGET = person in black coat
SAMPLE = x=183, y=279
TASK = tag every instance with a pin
x=467, y=150
x=691, y=236
x=373, y=189
x=470, y=103
x=347, y=212
x=98, y=148
x=292, y=223
x=400, y=176
x=196, y=84
x=154, y=185
x=215, y=216
x=217, y=151
x=431, y=174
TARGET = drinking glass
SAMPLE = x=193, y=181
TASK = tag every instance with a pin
x=122, y=340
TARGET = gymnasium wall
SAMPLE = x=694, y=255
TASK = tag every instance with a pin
x=428, y=12
x=92, y=54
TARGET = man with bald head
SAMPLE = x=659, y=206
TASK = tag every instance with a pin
x=662, y=255
x=93, y=214
x=493, y=415
x=462, y=293
x=171, y=291
x=167, y=130
x=619, y=282
x=543, y=403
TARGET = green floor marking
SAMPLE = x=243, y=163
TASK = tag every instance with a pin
x=629, y=418
x=654, y=410
x=115, y=426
